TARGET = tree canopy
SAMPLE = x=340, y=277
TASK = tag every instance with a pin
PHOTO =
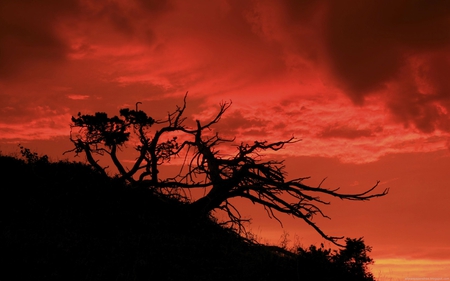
x=244, y=174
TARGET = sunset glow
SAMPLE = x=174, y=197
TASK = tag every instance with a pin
x=363, y=84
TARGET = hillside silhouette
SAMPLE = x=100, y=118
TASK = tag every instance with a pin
x=65, y=221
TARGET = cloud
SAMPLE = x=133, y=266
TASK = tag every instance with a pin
x=369, y=42
x=346, y=132
x=322, y=72
x=28, y=34
x=421, y=96
x=41, y=128
x=78, y=97
x=371, y=45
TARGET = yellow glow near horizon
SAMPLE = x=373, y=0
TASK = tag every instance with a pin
x=396, y=269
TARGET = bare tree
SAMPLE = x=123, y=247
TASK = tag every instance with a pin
x=242, y=175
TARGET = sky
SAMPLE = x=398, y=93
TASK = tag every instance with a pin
x=363, y=84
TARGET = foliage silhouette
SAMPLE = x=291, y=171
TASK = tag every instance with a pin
x=242, y=175
x=32, y=157
x=66, y=221
x=349, y=263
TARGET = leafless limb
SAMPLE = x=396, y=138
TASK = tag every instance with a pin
x=223, y=178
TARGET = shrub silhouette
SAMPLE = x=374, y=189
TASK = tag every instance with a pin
x=349, y=263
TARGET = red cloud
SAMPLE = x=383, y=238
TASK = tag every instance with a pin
x=371, y=45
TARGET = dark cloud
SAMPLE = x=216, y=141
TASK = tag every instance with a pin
x=424, y=104
x=347, y=132
x=156, y=7
x=28, y=33
x=36, y=33
x=118, y=17
x=234, y=121
x=372, y=44
x=368, y=42
x=130, y=19
x=300, y=10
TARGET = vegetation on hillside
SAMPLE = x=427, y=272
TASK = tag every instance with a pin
x=222, y=168
x=67, y=221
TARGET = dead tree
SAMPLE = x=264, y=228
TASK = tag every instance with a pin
x=240, y=175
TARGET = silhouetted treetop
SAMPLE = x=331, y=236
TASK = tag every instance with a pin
x=244, y=174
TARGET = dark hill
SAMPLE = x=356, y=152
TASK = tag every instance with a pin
x=63, y=221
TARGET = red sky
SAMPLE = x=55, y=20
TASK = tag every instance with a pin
x=364, y=84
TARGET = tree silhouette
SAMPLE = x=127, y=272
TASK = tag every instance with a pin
x=242, y=175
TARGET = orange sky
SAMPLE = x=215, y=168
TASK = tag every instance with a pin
x=364, y=84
